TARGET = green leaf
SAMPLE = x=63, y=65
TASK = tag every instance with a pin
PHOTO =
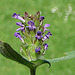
x=69, y=56
x=7, y=51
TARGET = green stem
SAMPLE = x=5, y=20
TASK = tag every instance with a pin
x=33, y=71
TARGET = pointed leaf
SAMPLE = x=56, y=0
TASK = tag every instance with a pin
x=7, y=51
x=69, y=56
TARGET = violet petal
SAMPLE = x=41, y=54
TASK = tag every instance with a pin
x=37, y=49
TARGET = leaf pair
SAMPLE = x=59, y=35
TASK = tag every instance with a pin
x=7, y=51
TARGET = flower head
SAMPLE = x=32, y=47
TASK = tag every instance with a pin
x=32, y=31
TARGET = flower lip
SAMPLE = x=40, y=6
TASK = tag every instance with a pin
x=46, y=25
x=18, y=35
x=19, y=24
x=22, y=26
x=47, y=36
x=22, y=29
x=46, y=46
x=41, y=18
x=18, y=17
x=31, y=23
x=39, y=35
x=37, y=49
x=15, y=15
x=49, y=33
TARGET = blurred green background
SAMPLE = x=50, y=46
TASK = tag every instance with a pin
x=60, y=14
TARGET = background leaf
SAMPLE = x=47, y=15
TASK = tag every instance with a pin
x=69, y=56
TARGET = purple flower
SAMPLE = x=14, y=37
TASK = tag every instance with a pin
x=39, y=35
x=41, y=18
x=46, y=25
x=18, y=17
x=18, y=35
x=31, y=25
x=37, y=49
x=44, y=38
x=47, y=36
x=46, y=46
x=19, y=24
x=22, y=29
x=22, y=26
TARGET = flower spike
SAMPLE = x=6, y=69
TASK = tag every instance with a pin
x=32, y=35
